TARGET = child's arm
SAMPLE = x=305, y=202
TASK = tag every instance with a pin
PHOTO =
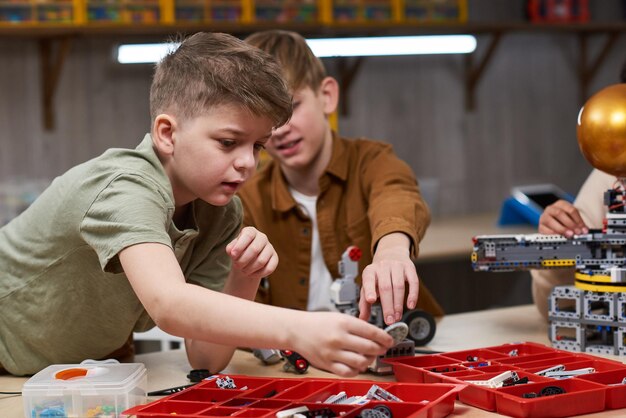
x=331, y=341
x=253, y=258
x=391, y=267
x=398, y=219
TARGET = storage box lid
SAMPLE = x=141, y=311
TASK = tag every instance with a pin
x=85, y=378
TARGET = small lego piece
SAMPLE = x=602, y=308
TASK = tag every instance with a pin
x=336, y=398
x=380, y=394
x=225, y=383
x=291, y=412
x=198, y=375
x=267, y=355
x=294, y=362
x=565, y=374
x=556, y=368
x=551, y=390
x=318, y=413
x=497, y=381
x=398, y=332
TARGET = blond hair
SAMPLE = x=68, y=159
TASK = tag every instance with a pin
x=212, y=69
x=301, y=68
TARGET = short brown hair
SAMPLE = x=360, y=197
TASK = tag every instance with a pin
x=211, y=69
x=301, y=68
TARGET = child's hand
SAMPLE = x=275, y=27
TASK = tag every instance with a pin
x=562, y=218
x=252, y=254
x=338, y=343
x=385, y=278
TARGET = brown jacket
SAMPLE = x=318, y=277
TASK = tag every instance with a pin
x=366, y=192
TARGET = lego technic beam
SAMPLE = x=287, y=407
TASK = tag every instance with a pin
x=599, y=256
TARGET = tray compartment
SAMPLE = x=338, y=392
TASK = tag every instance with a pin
x=477, y=355
x=273, y=389
x=175, y=408
x=208, y=396
x=351, y=388
x=580, y=397
x=217, y=412
x=484, y=397
x=615, y=390
x=252, y=412
x=522, y=361
x=241, y=382
x=523, y=349
x=304, y=389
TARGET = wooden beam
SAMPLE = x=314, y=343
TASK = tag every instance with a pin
x=51, y=67
x=347, y=73
x=473, y=74
x=587, y=73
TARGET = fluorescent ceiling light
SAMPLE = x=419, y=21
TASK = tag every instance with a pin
x=143, y=53
x=393, y=45
x=333, y=47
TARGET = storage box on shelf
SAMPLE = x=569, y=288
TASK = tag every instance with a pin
x=265, y=397
x=360, y=11
x=123, y=11
x=435, y=11
x=554, y=11
x=235, y=11
x=541, y=395
x=32, y=11
x=283, y=11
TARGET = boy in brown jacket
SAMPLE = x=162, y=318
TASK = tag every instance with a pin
x=323, y=193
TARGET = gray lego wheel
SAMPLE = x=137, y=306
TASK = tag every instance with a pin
x=422, y=326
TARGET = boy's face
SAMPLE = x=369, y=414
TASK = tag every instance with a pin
x=299, y=143
x=210, y=157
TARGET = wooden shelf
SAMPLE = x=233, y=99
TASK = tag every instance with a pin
x=491, y=35
x=38, y=30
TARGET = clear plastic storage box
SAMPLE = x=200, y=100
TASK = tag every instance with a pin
x=84, y=390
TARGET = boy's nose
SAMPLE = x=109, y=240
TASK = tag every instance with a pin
x=245, y=161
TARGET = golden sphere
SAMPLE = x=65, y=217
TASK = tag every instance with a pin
x=601, y=130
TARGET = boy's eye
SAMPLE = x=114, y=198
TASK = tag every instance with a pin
x=259, y=146
x=227, y=142
x=295, y=104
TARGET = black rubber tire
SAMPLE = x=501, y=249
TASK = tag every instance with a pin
x=422, y=326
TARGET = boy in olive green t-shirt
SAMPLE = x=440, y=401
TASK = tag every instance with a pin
x=135, y=238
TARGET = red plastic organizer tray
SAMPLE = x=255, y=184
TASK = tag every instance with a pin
x=583, y=394
x=264, y=397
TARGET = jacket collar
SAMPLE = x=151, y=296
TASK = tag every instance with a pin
x=283, y=201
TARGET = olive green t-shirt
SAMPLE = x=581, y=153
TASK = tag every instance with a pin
x=63, y=294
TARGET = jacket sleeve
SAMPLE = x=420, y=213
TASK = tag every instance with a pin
x=395, y=202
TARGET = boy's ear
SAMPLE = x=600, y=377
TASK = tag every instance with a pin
x=329, y=90
x=163, y=136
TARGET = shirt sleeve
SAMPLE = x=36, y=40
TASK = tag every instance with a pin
x=215, y=264
x=395, y=202
x=129, y=210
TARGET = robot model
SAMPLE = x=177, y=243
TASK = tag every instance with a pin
x=420, y=325
x=591, y=315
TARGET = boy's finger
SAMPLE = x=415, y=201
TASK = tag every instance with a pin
x=414, y=287
x=373, y=334
x=365, y=309
x=368, y=290
x=246, y=236
x=256, y=263
x=385, y=294
x=397, y=287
